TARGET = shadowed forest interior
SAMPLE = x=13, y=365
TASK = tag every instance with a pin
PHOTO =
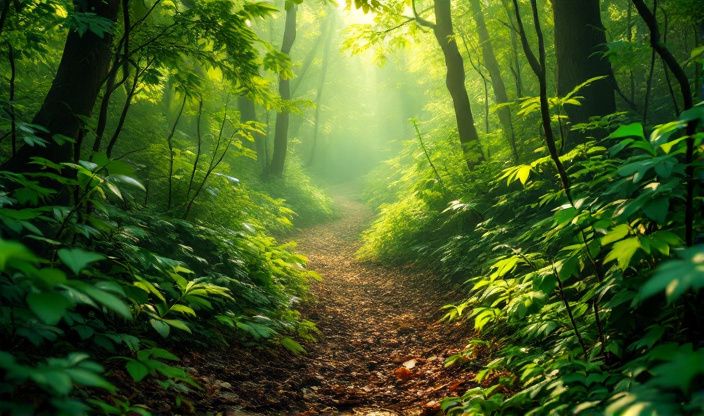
x=378, y=207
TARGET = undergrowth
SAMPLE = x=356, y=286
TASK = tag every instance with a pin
x=593, y=307
x=98, y=284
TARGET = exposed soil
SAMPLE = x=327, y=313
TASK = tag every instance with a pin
x=381, y=351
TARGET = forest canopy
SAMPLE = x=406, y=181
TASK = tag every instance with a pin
x=535, y=165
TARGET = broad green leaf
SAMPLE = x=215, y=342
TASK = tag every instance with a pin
x=137, y=370
x=623, y=252
x=680, y=369
x=77, y=259
x=178, y=324
x=108, y=300
x=617, y=233
x=48, y=306
x=657, y=209
x=675, y=277
x=292, y=345
x=12, y=250
x=90, y=379
x=160, y=326
x=628, y=130
x=523, y=173
x=128, y=180
x=54, y=379
x=51, y=276
x=183, y=309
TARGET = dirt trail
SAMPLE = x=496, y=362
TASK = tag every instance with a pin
x=381, y=351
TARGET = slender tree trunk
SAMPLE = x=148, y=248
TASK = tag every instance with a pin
x=497, y=81
x=170, y=143
x=538, y=66
x=629, y=37
x=83, y=67
x=123, y=114
x=321, y=86
x=308, y=61
x=687, y=101
x=278, y=157
x=199, y=148
x=579, y=40
x=443, y=31
x=516, y=66
x=11, y=108
x=699, y=66
x=249, y=113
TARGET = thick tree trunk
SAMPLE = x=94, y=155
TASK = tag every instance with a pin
x=81, y=72
x=579, y=39
x=278, y=157
x=469, y=138
x=497, y=81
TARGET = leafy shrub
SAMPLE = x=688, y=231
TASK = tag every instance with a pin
x=103, y=286
x=592, y=305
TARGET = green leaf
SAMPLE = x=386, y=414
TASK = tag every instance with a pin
x=137, y=370
x=12, y=250
x=680, y=369
x=657, y=209
x=523, y=173
x=77, y=259
x=128, y=180
x=108, y=300
x=623, y=252
x=48, y=306
x=178, y=324
x=675, y=277
x=53, y=379
x=628, y=130
x=90, y=378
x=183, y=309
x=160, y=326
x=619, y=232
x=292, y=345
x=51, y=276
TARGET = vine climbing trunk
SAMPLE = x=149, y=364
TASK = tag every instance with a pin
x=497, y=81
x=278, y=157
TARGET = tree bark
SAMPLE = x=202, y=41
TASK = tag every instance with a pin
x=278, y=157
x=579, y=40
x=497, y=81
x=443, y=31
x=74, y=90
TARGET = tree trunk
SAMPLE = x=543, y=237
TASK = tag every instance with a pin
x=323, y=76
x=579, y=40
x=469, y=138
x=497, y=81
x=278, y=157
x=249, y=113
x=83, y=67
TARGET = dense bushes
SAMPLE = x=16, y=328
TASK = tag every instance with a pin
x=591, y=307
x=101, y=282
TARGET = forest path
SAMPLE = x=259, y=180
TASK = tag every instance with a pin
x=381, y=350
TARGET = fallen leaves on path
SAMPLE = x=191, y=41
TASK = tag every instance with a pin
x=381, y=351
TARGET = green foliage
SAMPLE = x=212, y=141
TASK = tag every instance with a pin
x=554, y=281
x=114, y=282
